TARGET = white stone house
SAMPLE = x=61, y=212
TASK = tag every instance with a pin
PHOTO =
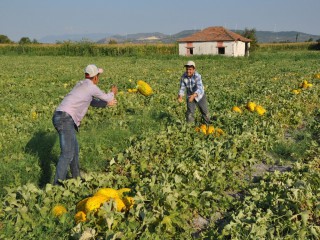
x=214, y=41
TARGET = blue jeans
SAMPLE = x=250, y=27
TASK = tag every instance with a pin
x=69, y=155
x=203, y=107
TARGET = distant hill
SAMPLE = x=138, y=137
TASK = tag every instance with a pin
x=157, y=37
x=148, y=37
x=137, y=37
x=74, y=37
x=285, y=36
x=262, y=37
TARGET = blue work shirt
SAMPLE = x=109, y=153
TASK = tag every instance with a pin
x=192, y=84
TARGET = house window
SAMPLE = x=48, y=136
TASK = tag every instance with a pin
x=221, y=50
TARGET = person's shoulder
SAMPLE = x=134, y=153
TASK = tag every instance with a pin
x=197, y=74
x=83, y=81
x=88, y=82
x=184, y=75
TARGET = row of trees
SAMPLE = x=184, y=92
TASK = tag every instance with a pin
x=23, y=40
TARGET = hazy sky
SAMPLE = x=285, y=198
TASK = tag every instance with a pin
x=39, y=18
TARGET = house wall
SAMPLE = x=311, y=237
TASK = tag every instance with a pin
x=239, y=48
x=232, y=48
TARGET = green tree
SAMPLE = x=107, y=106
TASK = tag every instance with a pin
x=251, y=34
x=317, y=45
x=4, y=39
x=112, y=41
x=35, y=41
x=25, y=40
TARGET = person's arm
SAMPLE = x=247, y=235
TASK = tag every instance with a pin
x=98, y=103
x=192, y=97
x=198, y=89
x=114, y=89
x=181, y=90
x=96, y=92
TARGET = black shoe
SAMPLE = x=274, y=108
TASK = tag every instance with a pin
x=213, y=118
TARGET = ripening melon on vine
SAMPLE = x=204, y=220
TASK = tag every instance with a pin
x=210, y=130
x=95, y=202
x=219, y=132
x=108, y=192
x=260, y=110
x=58, y=210
x=296, y=91
x=251, y=106
x=236, y=109
x=144, y=88
x=80, y=217
x=305, y=84
x=132, y=90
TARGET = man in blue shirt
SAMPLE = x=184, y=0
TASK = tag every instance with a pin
x=192, y=83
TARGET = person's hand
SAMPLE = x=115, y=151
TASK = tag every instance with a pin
x=114, y=89
x=180, y=99
x=192, y=97
x=112, y=103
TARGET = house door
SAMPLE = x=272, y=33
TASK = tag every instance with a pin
x=189, y=51
x=189, y=48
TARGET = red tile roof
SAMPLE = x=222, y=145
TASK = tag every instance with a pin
x=214, y=34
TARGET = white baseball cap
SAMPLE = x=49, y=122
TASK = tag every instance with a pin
x=190, y=63
x=92, y=70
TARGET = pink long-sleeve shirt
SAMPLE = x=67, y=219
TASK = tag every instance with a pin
x=77, y=102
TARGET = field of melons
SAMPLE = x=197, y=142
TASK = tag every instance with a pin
x=253, y=174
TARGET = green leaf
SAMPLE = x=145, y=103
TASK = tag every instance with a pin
x=314, y=232
x=196, y=175
x=194, y=194
x=120, y=157
x=112, y=161
x=305, y=217
x=177, y=178
x=207, y=193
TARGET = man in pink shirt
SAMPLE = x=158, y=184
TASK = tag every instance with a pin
x=68, y=115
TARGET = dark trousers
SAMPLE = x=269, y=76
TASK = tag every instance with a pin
x=69, y=155
x=203, y=107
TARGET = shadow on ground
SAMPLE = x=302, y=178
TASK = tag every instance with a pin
x=41, y=145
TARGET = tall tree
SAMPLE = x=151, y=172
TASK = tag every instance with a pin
x=251, y=34
x=4, y=39
x=24, y=40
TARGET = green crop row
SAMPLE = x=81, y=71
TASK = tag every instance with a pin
x=90, y=49
x=289, y=46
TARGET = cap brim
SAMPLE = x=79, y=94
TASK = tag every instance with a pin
x=100, y=70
